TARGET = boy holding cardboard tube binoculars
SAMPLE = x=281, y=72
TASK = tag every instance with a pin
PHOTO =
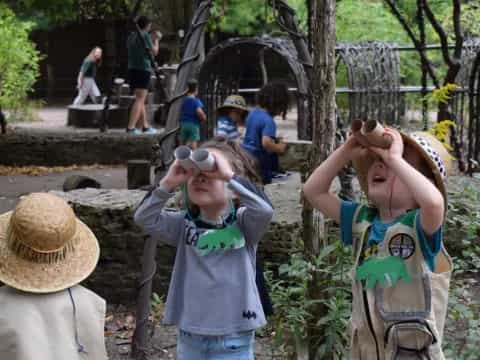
x=401, y=272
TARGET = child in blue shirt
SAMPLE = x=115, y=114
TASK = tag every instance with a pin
x=191, y=117
x=261, y=131
x=212, y=299
x=232, y=112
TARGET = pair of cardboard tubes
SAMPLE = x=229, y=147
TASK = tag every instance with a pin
x=370, y=133
x=198, y=160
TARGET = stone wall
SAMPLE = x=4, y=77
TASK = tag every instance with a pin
x=50, y=148
x=55, y=148
x=109, y=213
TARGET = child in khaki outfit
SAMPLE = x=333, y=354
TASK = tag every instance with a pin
x=402, y=271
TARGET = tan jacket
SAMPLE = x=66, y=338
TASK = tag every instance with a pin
x=42, y=327
x=406, y=320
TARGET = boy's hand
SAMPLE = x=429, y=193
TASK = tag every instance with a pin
x=223, y=169
x=176, y=176
x=396, y=149
x=354, y=148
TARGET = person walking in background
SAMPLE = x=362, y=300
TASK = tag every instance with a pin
x=231, y=114
x=139, y=73
x=86, y=77
x=261, y=130
x=191, y=117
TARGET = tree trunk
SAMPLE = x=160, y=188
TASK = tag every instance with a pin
x=3, y=122
x=323, y=139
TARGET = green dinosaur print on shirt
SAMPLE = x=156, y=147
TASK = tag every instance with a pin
x=384, y=271
x=220, y=239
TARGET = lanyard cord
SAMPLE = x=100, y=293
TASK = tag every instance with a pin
x=80, y=347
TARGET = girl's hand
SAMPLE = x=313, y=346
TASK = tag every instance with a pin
x=223, y=169
x=176, y=176
x=396, y=149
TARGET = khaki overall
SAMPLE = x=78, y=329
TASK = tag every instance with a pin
x=42, y=326
x=406, y=320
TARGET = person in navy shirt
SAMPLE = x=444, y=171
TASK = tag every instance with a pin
x=261, y=131
x=192, y=115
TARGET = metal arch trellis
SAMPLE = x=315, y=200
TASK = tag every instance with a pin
x=218, y=78
x=373, y=71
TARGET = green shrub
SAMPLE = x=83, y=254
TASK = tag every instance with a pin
x=18, y=60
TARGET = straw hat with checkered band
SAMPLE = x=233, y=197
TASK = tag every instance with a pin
x=431, y=150
x=44, y=248
x=235, y=102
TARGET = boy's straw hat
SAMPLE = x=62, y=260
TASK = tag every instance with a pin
x=234, y=101
x=430, y=149
x=44, y=248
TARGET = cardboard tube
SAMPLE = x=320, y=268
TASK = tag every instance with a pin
x=374, y=132
x=356, y=128
x=183, y=155
x=204, y=160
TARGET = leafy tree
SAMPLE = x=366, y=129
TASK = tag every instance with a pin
x=18, y=60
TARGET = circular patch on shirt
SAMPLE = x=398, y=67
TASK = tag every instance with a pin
x=401, y=245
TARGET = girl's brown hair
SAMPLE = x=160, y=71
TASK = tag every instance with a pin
x=242, y=162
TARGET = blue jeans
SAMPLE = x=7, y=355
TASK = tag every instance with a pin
x=206, y=347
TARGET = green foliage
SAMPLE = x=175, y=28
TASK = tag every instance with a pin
x=251, y=17
x=46, y=14
x=157, y=304
x=462, y=230
x=18, y=60
x=294, y=308
x=468, y=20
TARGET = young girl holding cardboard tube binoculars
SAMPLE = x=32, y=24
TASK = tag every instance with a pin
x=213, y=298
x=198, y=160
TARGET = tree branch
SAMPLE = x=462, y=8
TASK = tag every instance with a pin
x=457, y=29
x=440, y=32
x=415, y=41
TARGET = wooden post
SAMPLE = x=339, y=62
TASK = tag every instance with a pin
x=138, y=173
x=323, y=141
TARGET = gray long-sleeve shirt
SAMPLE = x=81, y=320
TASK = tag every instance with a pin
x=214, y=293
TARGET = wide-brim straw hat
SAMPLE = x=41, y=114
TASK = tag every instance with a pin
x=235, y=102
x=44, y=248
x=431, y=150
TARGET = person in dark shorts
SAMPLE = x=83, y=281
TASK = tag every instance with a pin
x=192, y=115
x=139, y=73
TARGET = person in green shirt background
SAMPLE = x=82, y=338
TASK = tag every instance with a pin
x=139, y=73
x=86, y=77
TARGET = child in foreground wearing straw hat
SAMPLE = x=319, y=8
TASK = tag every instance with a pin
x=402, y=271
x=212, y=299
x=45, y=251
